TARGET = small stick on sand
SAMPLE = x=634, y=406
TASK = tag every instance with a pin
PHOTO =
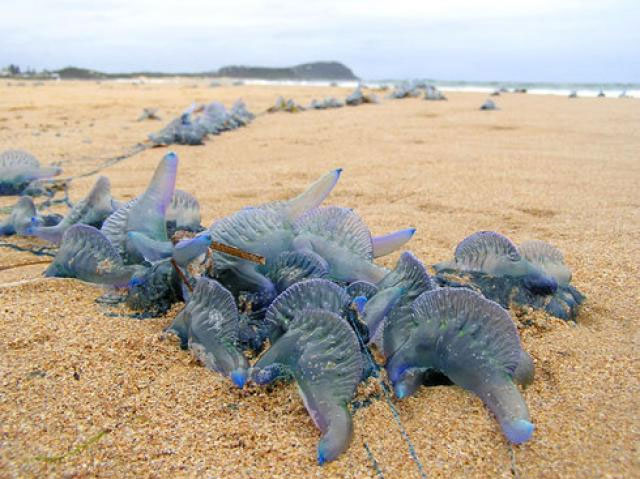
x=30, y=263
x=238, y=253
x=181, y=274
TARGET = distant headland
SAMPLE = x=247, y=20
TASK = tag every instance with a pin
x=305, y=71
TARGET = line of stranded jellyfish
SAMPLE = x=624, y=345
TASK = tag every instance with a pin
x=297, y=285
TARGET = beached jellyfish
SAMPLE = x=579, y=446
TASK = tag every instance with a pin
x=183, y=130
x=19, y=168
x=149, y=114
x=405, y=90
x=266, y=230
x=341, y=241
x=573, y=94
x=155, y=288
x=489, y=105
x=91, y=210
x=86, y=254
x=183, y=213
x=357, y=97
x=549, y=258
x=433, y=94
x=209, y=324
x=321, y=352
x=22, y=220
x=314, y=294
x=145, y=214
x=241, y=114
x=496, y=255
x=328, y=102
x=292, y=267
x=289, y=106
x=183, y=252
x=473, y=342
x=535, y=275
x=387, y=244
x=399, y=288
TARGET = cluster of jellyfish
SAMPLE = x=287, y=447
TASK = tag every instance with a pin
x=355, y=98
x=198, y=121
x=296, y=285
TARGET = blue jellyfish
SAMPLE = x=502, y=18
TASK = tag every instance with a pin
x=19, y=168
x=473, y=342
x=92, y=210
x=86, y=254
x=321, y=351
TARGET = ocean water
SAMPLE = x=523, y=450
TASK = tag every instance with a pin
x=561, y=89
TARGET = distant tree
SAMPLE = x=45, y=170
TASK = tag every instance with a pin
x=14, y=69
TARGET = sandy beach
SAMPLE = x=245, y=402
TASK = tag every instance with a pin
x=87, y=392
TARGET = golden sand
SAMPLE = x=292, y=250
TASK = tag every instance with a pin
x=87, y=393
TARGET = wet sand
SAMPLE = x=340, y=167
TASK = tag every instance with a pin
x=87, y=392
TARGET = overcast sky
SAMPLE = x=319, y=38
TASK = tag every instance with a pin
x=535, y=40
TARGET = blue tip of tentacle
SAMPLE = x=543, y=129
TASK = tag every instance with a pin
x=321, y=459
x=360, y=302
x=400, y=391
x=133, y=282
x=239, y=378
x=519, y=431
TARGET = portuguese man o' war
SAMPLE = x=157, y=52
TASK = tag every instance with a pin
x=327, y=103
x=489, y=105
x=86, y=254
x=289, y=106
x=297, y=285
x=266, y=230
x=314, y=294
x=92, y=211
x=341, y=240
x=357, y=97
x=209, y=324
x=22, y=220
x=405, y=90
x=19, y=168
x=146, y=214
x=533, y=275
x=433, y=94
x=496, y=255
x=183, y=213
x=397, y=290
x=199, y=121
x=473, y=342
x=321, y=351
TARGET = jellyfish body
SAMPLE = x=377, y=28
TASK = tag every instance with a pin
x=209, y=324
x=291, y=267
x=489, y=105
x=313, y=293
x=19, y=168
x=341, y=240
x=183, y=213
x=22, y=220
x=145, y=214
x=400, y=287
x=321, y=352
x=266, y=230
x=182, y=252
x=85, y=253
x=472, y=341
x=496, y=255
x=92, y=210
